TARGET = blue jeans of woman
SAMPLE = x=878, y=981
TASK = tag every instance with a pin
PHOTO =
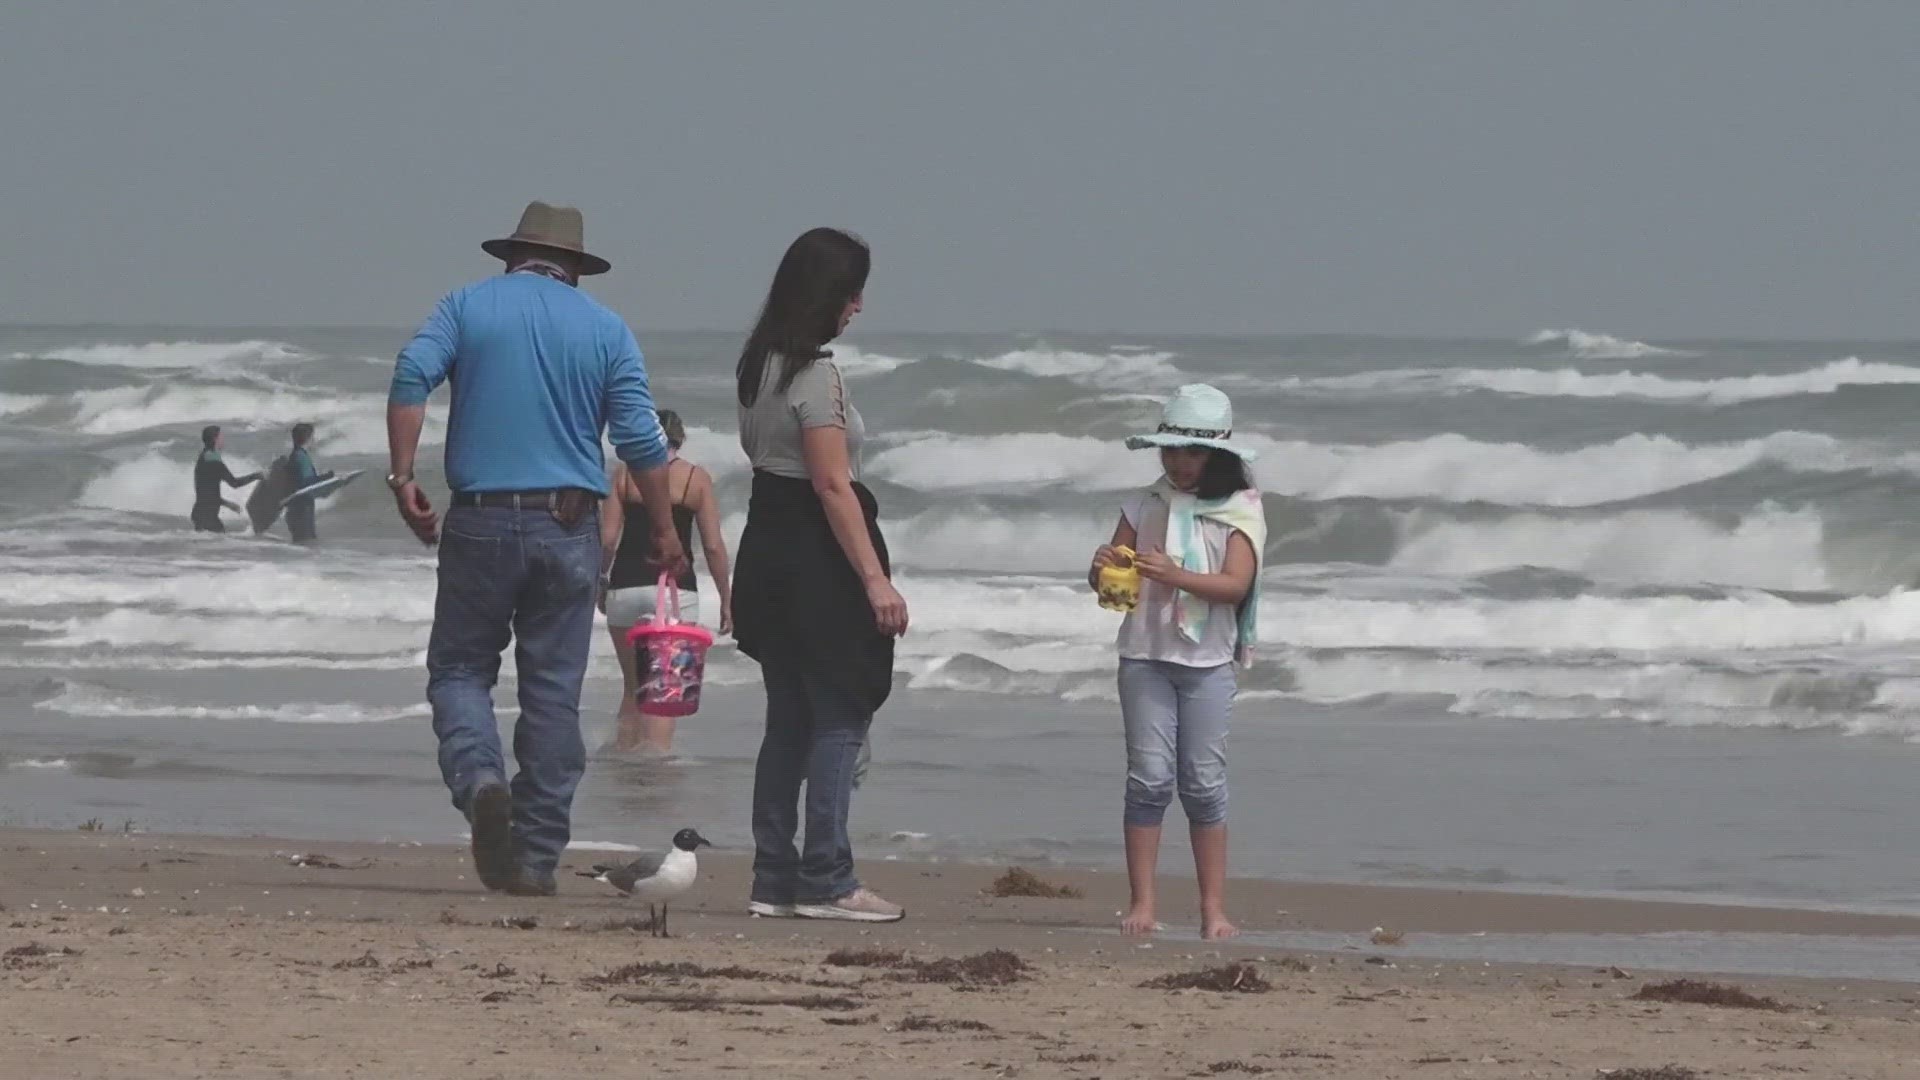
x=813, y=738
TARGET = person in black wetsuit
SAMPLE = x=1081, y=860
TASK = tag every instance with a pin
x=208, y=474
x=631, y=582
x=300, y=517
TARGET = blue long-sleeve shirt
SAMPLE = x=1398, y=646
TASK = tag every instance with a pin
x=538, y=368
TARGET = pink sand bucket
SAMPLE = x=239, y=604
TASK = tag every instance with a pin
x=675, y=654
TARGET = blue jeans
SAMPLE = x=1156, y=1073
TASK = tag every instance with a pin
x=814, y=736
x=1176, y=719
x=514, y=575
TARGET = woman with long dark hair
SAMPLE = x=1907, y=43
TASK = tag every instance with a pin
x=814, y=600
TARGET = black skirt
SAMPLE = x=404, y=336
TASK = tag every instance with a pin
x=797, y=601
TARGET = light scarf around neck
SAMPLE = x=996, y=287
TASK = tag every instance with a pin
x=1241, y=512
x=544, y=269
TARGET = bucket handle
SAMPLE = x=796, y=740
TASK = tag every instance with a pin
x=666, y=601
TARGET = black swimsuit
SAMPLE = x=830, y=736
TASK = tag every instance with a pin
x=634, y=566
x=208, y=474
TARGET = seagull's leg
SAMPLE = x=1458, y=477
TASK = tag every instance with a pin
x=653, y=920
x=663, y=921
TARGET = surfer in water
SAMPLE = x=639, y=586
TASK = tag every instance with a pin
x=300, y=523
x=208, y=474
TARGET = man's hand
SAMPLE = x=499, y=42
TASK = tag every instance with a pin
x=417, y=511
x=668, y=554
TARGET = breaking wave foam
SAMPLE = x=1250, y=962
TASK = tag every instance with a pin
x=169, y=354
x=1588, y=624
x=1568, y=382
x=1770, y=549
x=1451, y=468
x=79, y=699
x=1589, y=346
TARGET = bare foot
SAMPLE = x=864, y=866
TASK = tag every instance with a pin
x=1139, y=921
x=1215, y=927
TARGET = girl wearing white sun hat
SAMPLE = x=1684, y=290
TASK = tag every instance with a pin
x=1197, y=534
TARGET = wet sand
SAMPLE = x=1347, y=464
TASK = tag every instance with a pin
x=196, y=956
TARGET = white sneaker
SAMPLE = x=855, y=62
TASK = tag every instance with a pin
x=860, y=905
x=771, y=911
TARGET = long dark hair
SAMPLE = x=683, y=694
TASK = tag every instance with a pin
x=819, y=274
x=1224, y=474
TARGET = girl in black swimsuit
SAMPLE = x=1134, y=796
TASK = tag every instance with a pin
x=630, y=582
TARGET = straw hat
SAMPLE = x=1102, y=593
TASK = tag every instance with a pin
x=555, y=228
x=1197, y=415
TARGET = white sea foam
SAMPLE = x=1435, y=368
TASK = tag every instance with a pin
x=1450, y=468
x=345, y=423
x=1772, y=549
x=1589, y=346
x=154, y=483
x=236, y=634
x=1130, y=367
x=1588, y=624
x=16, y=404
x=40, y=763
x=855, y=363
x=79, y=699
x=246, y=589
x=169, y=354
x=1569, y=382
x=1659, y=693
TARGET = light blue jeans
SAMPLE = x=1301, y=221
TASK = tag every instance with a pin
x=1176, y=719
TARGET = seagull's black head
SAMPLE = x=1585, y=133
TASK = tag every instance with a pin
x=690, y=839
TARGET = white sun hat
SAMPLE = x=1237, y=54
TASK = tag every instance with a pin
x=1196, y=415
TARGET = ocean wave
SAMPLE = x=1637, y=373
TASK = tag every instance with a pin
x=1769, y=549
x=855, y=363
x=16, y=404
x=245, y=589
x=80, y=699
x=1675, y=694
x=1136, y=367
x=1589, y=346
x=1130, y=367
x=1569, y=382
x=235, y=634
x=1449, y=467
x=346, y=424
x=169, y=354
x=1592, y=624
x=154, y=483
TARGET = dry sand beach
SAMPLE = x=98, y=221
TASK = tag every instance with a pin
x=194, y=956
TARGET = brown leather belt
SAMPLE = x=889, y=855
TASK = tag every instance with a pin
x=569, y=505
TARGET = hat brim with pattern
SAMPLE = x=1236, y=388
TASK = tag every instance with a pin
x=1162, y=439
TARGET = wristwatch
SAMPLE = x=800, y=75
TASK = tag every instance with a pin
x=396, y=481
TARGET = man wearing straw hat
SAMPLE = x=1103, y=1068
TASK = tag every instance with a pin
x=539, y=370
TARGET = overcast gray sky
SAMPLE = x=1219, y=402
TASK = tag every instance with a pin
x=1693, y=168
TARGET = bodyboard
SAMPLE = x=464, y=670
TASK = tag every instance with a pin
x=269, y=495
x=319, y=487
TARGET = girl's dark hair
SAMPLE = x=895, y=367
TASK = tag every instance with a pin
x=671, y=424
x=1222, y=475
x=208, y=434
x=302, y=434
x=820, y=273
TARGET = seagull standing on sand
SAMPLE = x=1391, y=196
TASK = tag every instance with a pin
x=656, y=877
